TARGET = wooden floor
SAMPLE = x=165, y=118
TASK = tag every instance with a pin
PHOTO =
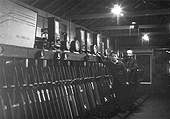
x=156, y=106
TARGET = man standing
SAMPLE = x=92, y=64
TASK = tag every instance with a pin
x=117, y=68
x=118, y=71
x=131, y=65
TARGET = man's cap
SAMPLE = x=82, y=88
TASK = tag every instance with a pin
x=129, y=53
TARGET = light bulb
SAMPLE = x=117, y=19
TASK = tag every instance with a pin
x=117, y=10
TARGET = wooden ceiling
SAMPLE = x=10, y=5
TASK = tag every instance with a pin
x=152, y=16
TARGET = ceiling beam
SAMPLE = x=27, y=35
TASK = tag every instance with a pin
x=34, y=2
x=73, y=7
x=65, y=4
x=127, y=14
x=112, y=34
x=85, y=8
x=128, y=26
x=51, y=3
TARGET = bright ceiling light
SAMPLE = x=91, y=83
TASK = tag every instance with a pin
x=117, y=10
x=121, y=14
x=145, y=37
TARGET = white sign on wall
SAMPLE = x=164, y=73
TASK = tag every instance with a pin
x=17, y=24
